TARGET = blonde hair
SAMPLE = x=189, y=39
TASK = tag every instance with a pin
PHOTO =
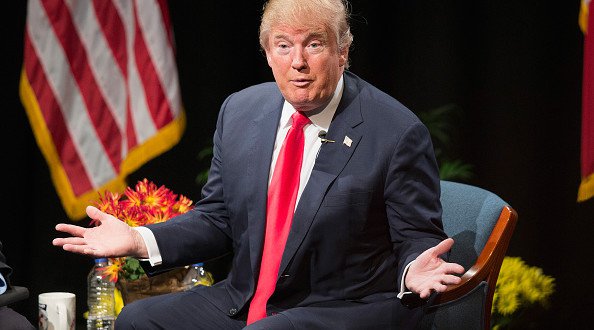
x=334, y=14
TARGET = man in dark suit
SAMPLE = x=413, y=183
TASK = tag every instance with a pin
x=9, y=319
x=365, y=236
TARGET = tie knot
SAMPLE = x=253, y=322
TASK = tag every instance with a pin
x=299, y=120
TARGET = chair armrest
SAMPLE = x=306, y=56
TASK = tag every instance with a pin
x=14, y=294
x=488, y=262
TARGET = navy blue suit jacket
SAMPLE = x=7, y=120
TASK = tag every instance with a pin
x=367, y=210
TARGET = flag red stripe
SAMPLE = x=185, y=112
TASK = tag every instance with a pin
x=115, y=33
x=114, y=30
x=98, y=110
x=156, y=99
x=587, y=149
x=131, y=139
x=51, y=112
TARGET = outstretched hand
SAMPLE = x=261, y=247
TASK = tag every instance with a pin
x=428, y=272
x=111, y=238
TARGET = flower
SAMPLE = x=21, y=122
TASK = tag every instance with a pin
x=519, y=286
x=142, y=205
x=113, y=270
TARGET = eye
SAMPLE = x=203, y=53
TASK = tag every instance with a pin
x=315, y=47
x=283, y=48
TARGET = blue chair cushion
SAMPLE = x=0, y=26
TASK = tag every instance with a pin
x=469, y=215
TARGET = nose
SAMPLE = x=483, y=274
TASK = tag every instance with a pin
x=299, y=62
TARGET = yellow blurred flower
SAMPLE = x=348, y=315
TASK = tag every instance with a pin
x=519, y=286
x=119, y=301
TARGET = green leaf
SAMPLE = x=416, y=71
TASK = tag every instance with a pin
x=132, y=269
x=455, y=170
x=440, y=122
x=204, y=154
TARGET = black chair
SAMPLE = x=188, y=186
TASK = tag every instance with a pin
x=14, y=294
x=481, y=224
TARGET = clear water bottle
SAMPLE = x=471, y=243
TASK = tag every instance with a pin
x=100, y=298
x=197, y=275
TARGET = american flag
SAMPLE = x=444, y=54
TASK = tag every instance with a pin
x=586, y=22
x=100, y=87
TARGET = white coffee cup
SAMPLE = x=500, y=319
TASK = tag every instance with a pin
x=57, y=311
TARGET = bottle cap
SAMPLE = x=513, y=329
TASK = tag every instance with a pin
x=100, y=260
x=198, y=264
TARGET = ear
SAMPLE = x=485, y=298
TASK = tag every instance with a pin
x=268, y=58
x=343, y=57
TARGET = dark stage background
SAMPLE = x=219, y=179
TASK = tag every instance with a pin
x=513, y=67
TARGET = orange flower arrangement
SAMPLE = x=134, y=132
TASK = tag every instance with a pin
x=142, y=205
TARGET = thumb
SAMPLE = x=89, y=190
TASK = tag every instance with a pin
x=443, y=246
x=94, y=213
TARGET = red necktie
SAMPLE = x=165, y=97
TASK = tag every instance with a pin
x=282, y=195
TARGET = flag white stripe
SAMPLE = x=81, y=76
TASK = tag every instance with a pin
x=105, y=69
x=67, y=93
x=142, y=122
x=152, y=25
x=124, y=9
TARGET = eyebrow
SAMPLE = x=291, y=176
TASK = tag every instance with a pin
x=313, y=35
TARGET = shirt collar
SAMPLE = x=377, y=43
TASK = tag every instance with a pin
x=321, y=119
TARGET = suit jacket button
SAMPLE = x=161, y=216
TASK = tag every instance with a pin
x=232, y=311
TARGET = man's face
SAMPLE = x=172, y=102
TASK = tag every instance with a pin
x=306, y=65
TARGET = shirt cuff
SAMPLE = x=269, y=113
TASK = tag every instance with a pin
x=151, y=246
x=403, y=289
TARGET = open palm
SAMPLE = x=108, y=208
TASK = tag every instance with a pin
x=111, y=238
x=428, y=272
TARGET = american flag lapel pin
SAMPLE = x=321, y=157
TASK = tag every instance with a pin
x=347, y=141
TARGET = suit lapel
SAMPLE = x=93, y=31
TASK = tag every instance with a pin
x=262, y=134
x=332, y=158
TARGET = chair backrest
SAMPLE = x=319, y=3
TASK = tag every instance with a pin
x=481, y=224
x=14, y=294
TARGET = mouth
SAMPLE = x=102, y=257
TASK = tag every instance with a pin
x=300, y=82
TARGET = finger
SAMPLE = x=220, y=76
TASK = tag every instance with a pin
x=94, y=213
x=71, y=229
x=438, y=287
x=83, y=249
x=424, y=294
x=450, y=279
x=452, y=268
x=80, y=249
x=443, y=246
x=69, y=240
